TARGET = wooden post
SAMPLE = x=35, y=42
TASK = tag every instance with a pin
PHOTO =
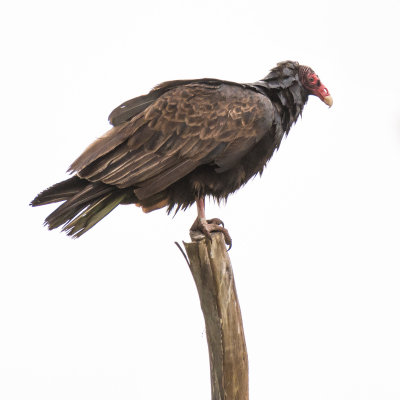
x=212, y=271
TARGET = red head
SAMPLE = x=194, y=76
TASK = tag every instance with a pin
x=310, y=81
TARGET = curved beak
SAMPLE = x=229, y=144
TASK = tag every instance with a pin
x=328, y=100
x=323, y=93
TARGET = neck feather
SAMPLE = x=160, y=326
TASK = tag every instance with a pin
x=289, y=100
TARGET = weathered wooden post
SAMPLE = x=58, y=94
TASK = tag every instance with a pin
x=212, y=271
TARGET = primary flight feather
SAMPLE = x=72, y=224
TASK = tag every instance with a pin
x=181, y=142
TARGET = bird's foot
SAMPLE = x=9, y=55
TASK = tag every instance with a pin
x=206, y=226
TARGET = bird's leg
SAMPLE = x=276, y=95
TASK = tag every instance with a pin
x=206, y=226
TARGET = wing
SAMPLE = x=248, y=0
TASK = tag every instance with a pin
x=188, y=126
x=131, y=108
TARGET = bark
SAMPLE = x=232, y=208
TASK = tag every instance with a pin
x=212, y=271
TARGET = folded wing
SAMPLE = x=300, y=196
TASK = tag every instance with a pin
x=187, y=126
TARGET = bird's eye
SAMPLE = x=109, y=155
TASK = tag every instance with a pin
x=311, y=79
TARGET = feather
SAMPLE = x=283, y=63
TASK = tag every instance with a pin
x=164, y=179
x=106, y=143
x=92, y=215
x=59, y=192
x=130, y=108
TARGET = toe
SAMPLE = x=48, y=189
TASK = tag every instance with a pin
x=217, y=228
x=211, y=225
x=215, y=221
x=228, y=239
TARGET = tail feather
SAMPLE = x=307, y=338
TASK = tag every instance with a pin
x=85, y=204
x=59, y=192
x=58, y=218
x=93, y=214
x=76, y=203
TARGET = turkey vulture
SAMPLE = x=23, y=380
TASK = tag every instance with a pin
x=182, y=141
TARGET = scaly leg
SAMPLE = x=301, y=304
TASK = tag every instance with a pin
x=206, y=226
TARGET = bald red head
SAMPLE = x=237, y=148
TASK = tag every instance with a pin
x=310, y=81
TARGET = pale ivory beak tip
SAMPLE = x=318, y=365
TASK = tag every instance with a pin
x=328, y=100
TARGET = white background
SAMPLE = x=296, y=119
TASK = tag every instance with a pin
x=115, y=314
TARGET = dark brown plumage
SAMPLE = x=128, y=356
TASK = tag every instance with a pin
x=181, y=142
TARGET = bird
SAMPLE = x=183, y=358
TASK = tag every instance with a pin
x=182, y=142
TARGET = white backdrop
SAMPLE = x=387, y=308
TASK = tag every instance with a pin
x=115, y=314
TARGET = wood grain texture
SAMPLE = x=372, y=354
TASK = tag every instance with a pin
x=212, y=271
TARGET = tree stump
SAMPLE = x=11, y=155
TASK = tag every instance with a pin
x=212, y=271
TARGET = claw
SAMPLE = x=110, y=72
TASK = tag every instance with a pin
x=215, y=221
x=211, y=225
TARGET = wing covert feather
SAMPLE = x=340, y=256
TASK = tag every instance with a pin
x=186, y=127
